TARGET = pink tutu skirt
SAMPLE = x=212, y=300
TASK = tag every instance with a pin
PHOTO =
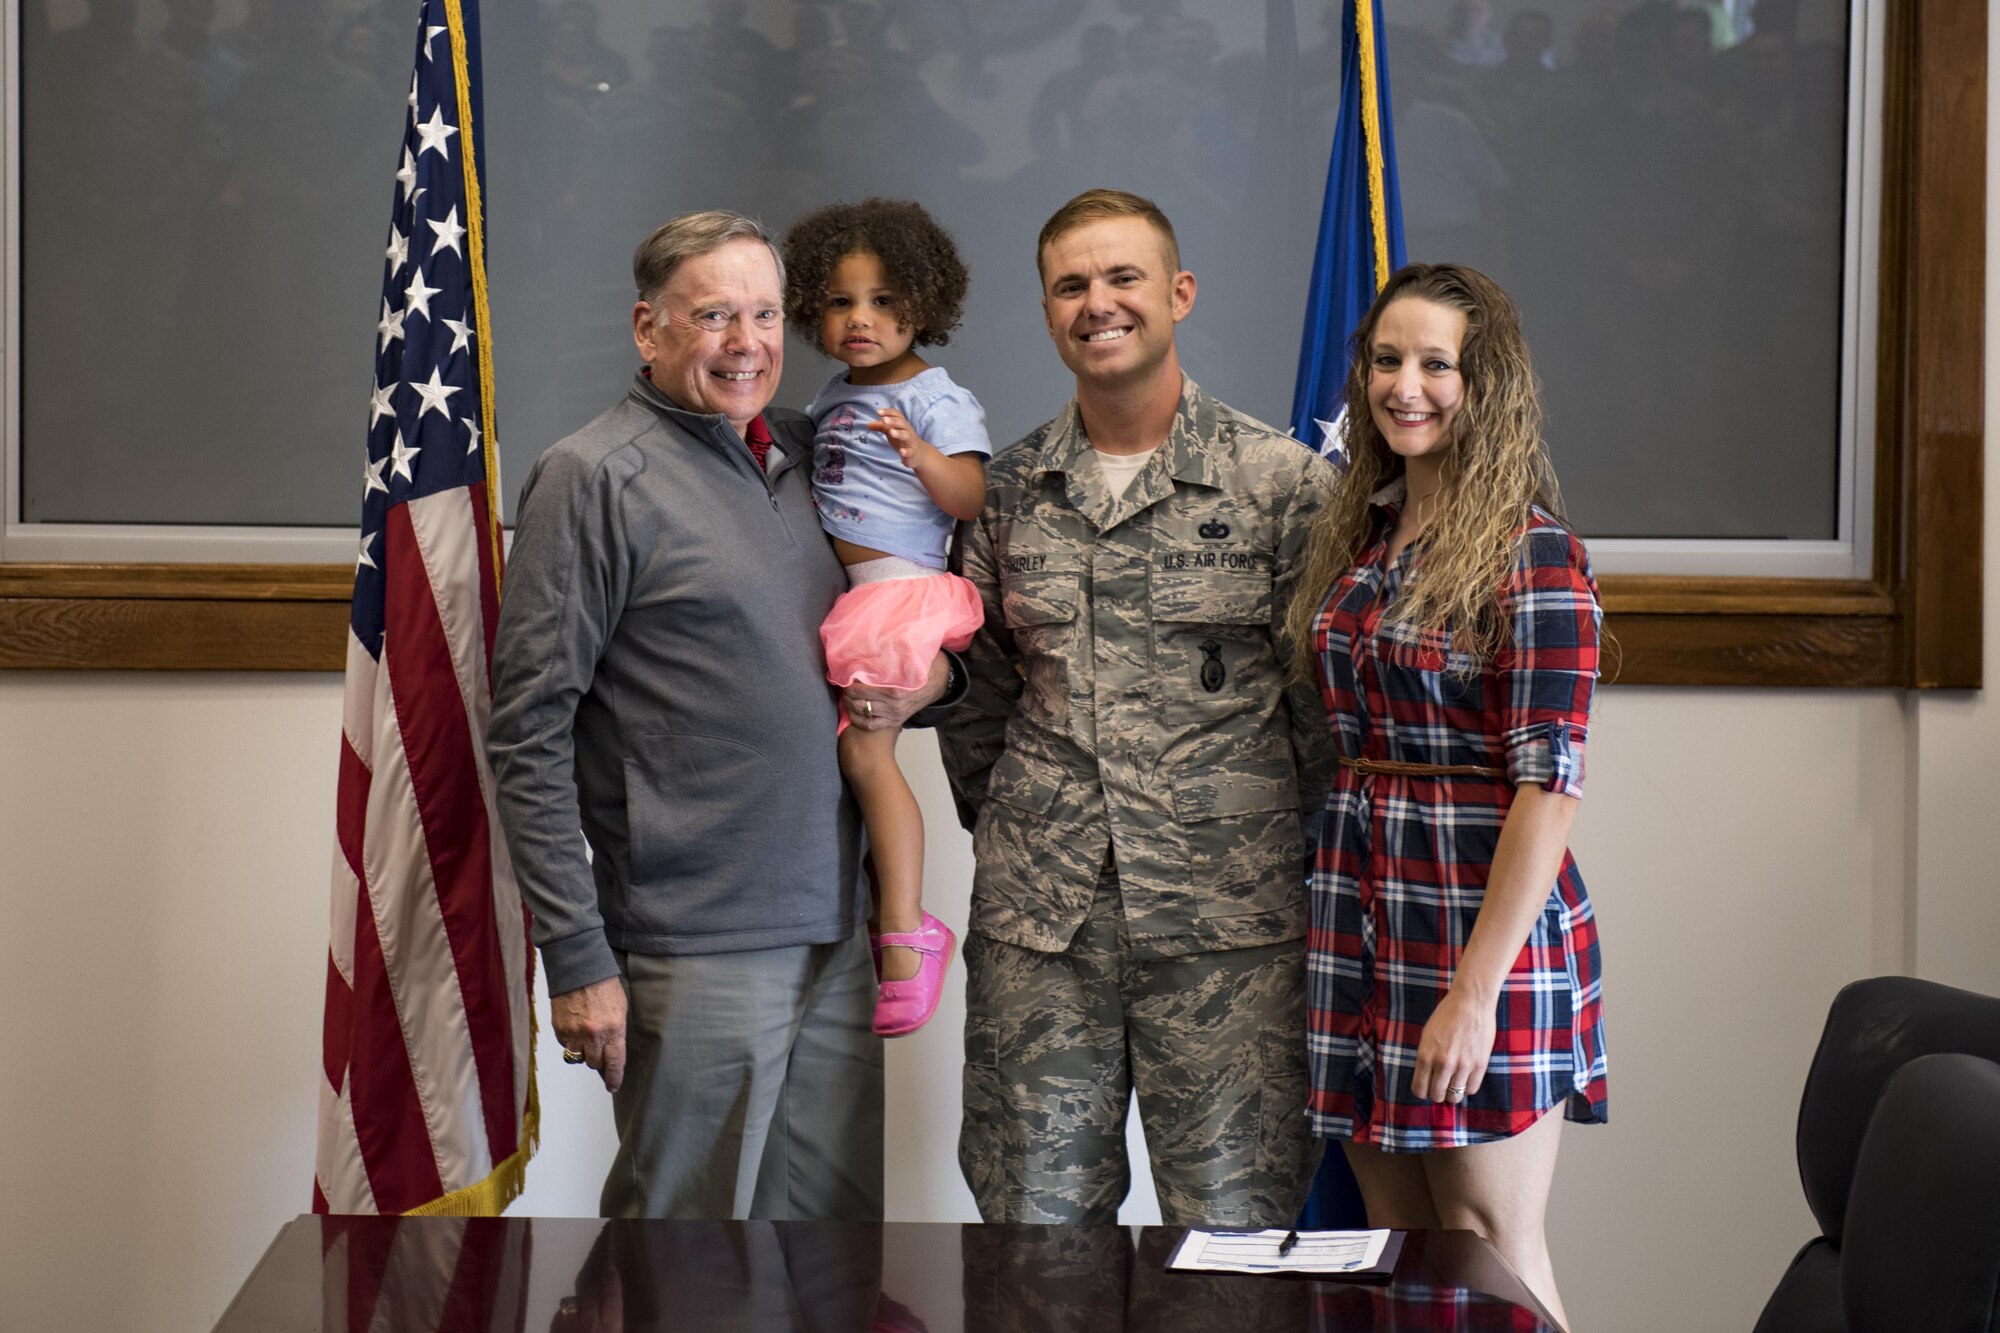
x=888, y=633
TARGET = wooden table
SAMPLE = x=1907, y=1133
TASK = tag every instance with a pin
x=583, y=1275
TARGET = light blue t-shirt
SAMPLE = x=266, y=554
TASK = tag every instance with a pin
x=865, y=493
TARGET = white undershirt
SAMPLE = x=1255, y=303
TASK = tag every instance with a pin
x=1119, y=469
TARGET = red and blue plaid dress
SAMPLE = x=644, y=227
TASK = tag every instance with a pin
x=1400, y=863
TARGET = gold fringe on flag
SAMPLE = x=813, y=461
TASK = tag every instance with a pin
x=475, y=237
x=1371, y=134
x=504, y=1183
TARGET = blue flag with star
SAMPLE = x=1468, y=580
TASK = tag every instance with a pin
x=1360, y=230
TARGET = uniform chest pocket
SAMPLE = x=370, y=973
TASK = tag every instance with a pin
x=1039, y=608
x=1212, y=631
x=1212, y=597
x=1038, y=600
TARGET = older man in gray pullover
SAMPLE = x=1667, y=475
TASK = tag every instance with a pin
x=660, y=694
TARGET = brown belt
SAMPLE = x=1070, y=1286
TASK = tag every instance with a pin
x=1397, y=768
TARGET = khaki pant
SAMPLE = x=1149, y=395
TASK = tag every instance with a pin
x=753, y=1087
x=1213, y=1044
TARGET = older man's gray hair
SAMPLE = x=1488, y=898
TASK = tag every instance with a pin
x=687, y=236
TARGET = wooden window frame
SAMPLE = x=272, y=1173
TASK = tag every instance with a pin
x=1915, y=624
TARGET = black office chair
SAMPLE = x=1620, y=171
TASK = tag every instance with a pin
x=1906, y=1234
x=1923, y=1219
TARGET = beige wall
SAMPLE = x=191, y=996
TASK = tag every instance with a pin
x=167, y=842
x=164, y=844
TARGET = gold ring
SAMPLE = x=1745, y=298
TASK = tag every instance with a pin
x=868, y=709
x=572, y=1057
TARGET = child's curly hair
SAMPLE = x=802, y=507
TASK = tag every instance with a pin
x=917, y=256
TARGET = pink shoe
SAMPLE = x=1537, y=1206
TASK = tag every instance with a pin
x=901, y=1007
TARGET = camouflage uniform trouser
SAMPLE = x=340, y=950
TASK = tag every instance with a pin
x=1029, y=1279
x=1212, y=1043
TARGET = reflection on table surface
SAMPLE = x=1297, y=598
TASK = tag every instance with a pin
x=583, y=1275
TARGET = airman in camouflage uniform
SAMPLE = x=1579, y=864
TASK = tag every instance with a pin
x=1134, y=769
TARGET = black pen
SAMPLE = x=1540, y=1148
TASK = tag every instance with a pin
x=1285, y=1245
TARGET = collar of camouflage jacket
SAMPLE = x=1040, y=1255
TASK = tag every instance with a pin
x=1188, y=452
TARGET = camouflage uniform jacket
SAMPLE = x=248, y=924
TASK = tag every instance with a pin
x=1128, y=688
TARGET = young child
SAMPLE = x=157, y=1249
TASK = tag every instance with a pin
x=899, y=457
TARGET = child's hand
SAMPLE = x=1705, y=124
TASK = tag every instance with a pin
x=911, y=447
x=956, y=483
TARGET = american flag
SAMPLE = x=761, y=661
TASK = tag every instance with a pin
x=429, y=1099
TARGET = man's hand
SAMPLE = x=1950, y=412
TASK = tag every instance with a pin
x=592, y=1020
x=597, y=1307
x=872, y=708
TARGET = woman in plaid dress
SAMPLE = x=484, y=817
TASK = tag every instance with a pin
x=1451, y=620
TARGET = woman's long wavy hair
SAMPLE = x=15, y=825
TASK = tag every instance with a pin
x=1495, y=468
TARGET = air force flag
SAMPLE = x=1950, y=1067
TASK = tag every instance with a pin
x=1360, y=229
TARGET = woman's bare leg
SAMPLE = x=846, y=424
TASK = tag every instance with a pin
x=1394, y=1187
x=895, y=839
x=1501, y=1190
